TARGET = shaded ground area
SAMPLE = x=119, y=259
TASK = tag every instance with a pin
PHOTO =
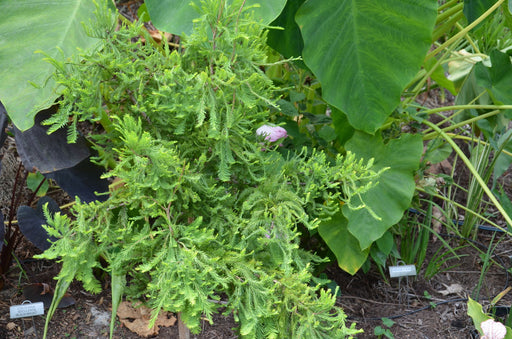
x=420, y=308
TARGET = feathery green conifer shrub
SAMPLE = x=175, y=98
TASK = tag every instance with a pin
x=206, y=209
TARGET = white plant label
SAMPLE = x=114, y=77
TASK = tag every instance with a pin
x=402, y=271
x=27, y=310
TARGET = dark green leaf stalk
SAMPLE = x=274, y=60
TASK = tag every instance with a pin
x=203, y=209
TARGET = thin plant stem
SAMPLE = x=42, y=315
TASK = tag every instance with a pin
x=485, y=267
x=474, y=172
x=460, y=124
x=449, y=12
x=464, y=31
x=462, y=207
x=482, y=142
x=463, y=107
x=449, y=118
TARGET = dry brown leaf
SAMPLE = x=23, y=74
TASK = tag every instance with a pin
x=137, y=318
x=157, y=36
x=451, y=289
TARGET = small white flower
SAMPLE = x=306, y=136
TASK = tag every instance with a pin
x=493, y=330
x=272, y=133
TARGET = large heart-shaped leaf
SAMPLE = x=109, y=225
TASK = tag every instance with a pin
x=176, y=16
x=473, y=9
x=83, y=181
x=29, y=26
x=31, y=222
x=48, y=152
x=289, y=41
x=496, y=79
x=342, y=243
x=364, y=52
x=392, y=196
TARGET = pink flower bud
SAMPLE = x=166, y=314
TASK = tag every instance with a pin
x=272, y=133
x=493, y=330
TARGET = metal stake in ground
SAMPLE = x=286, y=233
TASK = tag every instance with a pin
x=25, y=310
x=399, y=272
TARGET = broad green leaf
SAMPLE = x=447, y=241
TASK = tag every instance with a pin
x=386, y=243
x=176, y=16
x=439, y=76
x=365, y=52
x=473, y=9
x=437, y=151
x=30, y=26
x=289, y=41
x=472, y=91
x=392, y=196
x=498, y=78
x=327, y=133
x=342, y=243
x=341, y=125
x=35, y=182
x=287, y=108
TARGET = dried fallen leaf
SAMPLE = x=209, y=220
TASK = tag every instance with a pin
x=10, y=326
x=451, y=289
x=137, y=318
x=157, y=35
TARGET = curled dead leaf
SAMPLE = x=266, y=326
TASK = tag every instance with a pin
x=136, y=319
x=451, y=289
x=157, y=35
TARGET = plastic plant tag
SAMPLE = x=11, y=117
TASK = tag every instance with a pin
x=402, y=271
x=27, y=309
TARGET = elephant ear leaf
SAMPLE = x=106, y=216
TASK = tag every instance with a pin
x=395, y=189
x=473, y=9
x=83, y=181
x=177, y=16
x=31, y=222
x=287, y=41
x=342, y=243
x=351, y=233
x=53, y=27
x=365, y=52
x=48, y=152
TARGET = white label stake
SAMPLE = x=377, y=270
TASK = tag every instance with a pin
x=402, y=271
x=27, y=309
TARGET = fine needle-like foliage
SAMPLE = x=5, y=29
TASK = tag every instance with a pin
x=202, y=209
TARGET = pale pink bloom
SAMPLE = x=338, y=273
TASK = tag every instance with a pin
x=272, y=133
x=493, y=330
